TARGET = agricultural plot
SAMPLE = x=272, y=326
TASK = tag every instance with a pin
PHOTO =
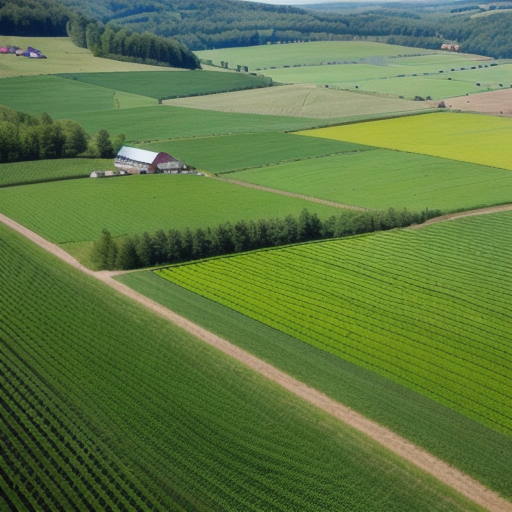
x=77, y=210
x=495, y=102
x=63, y=57
x=382, y=178
x=156, y=84
x=19, y=173
x=492, y=76
x=302, y=100
x=279, y=55
x=64, y=99
x=107, y=406
x=166, y=122
x=230, y=152
x=462, y=442
x=428, y=309
x=466, y=137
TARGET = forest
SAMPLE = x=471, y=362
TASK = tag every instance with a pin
x=24, y=137
x=208, y=24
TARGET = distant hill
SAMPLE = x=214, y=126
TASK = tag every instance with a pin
x=208, y=24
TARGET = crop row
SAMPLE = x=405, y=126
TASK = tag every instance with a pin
x=407, y=305
x=112, y=408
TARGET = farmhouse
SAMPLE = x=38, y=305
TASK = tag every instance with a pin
x=140, y=161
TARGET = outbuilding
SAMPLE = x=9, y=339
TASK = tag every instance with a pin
x=136, y=161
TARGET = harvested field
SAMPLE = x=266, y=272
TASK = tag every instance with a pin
x=299, y=100
x=496, y=103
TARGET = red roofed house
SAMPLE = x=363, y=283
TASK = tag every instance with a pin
x=140, y=161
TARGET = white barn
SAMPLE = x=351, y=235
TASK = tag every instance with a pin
x=135, y=161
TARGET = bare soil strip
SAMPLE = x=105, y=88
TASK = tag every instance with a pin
x=448, y=475
x=469, y=213
x=291, y=194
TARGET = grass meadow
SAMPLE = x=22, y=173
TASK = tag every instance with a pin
x=231, y=152
x=156, y=84
x=279, y=55
x=63, y=57
x=304, y=100
x=19, y=173
x=383, y=178
x=470, y=138
x=397, y=303
x=77, y=210
x=110, y=406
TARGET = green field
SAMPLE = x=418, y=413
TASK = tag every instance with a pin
x=278, y=55
x=156, y=84
x=63, y=57
x=398, y=303
x=166, y=122
x=19, y=173
x=463, y=442
x=383, y=178
x=470, y=138
x=64, y=99
x=231, y=152
x=108, y=406
x=77, y=210
x=407, y=82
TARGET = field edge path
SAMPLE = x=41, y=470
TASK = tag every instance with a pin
x=447, y=474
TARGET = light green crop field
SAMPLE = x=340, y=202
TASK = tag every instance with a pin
x=62, y=57
x=64, y=99
x=77, y=210
x=383, y=178
x=18, y=173
x=302, y=100
x=462, y=442
x=305, y=53
x=156, y=84
x=441, y=61
x=108, y=406
x=471, y=138
x=429, y=309
x=231, y=152
x=166, y=122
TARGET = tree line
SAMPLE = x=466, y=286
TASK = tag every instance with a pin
x=115, y=42
x=25, y=137
x=174, y=246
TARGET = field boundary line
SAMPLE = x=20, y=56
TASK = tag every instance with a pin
x=298, y=196
x=459, y=215
x=442, y=471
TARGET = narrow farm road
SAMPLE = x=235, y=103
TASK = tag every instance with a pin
x=299, y=196
x=450, y=476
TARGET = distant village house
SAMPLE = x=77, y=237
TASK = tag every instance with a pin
x=140, y=161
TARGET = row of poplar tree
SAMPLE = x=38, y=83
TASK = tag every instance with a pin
x=174, y=246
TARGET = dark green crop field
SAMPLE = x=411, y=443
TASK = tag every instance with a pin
x=384, y=178
x=228, y=153
x=77, y=210
x=172, y=84
x=106, y=406
x=428, y=309
x=166, y=122
x=18, y=173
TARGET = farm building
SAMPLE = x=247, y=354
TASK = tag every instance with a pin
x=137, y=161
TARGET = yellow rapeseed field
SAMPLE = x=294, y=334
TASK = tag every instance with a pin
x=474, y=138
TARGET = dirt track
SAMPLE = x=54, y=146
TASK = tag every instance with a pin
x=422, y=459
